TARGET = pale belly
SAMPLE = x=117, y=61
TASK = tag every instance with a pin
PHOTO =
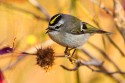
x=70, y=40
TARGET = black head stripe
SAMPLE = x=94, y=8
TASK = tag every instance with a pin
x=55, y=19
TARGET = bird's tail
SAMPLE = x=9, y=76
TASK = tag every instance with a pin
x=103, y=32
x=96, y=30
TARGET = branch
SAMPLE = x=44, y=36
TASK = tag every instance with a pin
x=102, y=6
x=22, y=10
x=100, y=67
x=114, y=44
x=80, y=63
x=36, y=4
x=119, y=17
x=106, y=56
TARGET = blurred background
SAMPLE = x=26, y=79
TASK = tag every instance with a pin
x=22, y=27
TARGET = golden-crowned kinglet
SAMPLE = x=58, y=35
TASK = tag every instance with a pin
x=69, y=31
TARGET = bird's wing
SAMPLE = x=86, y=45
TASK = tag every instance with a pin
x=87, y=28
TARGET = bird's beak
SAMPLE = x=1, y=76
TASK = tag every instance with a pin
x=49, y=29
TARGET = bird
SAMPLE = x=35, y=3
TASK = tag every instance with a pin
x=70, y=32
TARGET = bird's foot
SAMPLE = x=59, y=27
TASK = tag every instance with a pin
x=70, y=56
x=72, y=60
x=67, y=52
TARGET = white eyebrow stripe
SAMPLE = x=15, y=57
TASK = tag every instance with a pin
x=61, y=22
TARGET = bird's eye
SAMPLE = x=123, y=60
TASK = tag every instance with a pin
x=57, y=27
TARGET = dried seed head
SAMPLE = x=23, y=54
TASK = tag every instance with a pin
x=45, y=57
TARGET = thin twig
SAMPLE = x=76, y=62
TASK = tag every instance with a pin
x=87, y=53
x=118, y=15
x=22, y=10
x=122, y=53
x=36, y=4
x=106, y=56
x=102, y=6
x=101, y=67
x=20, y=57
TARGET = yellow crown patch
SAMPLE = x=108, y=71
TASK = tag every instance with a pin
x=53, y=20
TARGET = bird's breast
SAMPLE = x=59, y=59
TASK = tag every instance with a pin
x=67, y=39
